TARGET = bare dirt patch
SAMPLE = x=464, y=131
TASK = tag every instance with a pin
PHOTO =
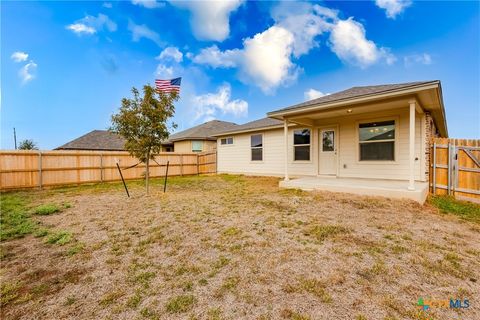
x=229, y=247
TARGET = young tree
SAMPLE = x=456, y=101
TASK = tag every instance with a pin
x=143, y=122
x=27, y=144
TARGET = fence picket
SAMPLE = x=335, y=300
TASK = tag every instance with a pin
x=29, y=169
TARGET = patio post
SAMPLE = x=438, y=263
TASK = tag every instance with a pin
x=411, y=144
x=285, y=134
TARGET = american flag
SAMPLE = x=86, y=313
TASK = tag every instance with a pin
x=172, y=85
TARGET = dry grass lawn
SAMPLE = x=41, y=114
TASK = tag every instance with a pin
x=233, y=247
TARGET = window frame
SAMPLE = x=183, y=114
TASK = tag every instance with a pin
x=302, y=145
x=226, y=140
x=251, y=148
x=395, y=119
x=196, y=151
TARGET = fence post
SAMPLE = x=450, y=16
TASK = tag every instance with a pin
x=449, y=164
x=434, y=165
x=181, y=164
x=40, y=174
x=101, y=167
x=198, y=164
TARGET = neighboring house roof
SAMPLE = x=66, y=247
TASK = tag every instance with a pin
x=96, y=140
x=264, y=123
x=355, y=92
x=204, y=131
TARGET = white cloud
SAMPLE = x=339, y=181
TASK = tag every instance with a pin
x=171, y=53
x=393, y=7
x=349, y=43
x=267, y=59
x=423, y=58
x=107, y=5
x=164, y=72
x=27, y=72
x=305, y=22
x=80, y=28
x=91, y=24
x=150, y=4
x=142, y=31
x=311, y=94
x=210, y=21
x=19, y=56
x=208, y=105
x=214, y=57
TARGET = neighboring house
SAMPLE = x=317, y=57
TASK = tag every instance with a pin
x=374, y=132
x=196, y=139
x=199, y=138
x=96, y=140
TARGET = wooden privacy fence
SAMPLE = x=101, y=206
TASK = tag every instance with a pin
x=455, y=165
x=29, y=169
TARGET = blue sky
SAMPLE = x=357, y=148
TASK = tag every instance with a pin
x=66, y=65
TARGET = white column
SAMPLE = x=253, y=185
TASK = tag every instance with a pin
x=411, y=144
x=285, y=134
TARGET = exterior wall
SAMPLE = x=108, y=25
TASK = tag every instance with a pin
x=235, y=158
x=185, y=146
x=430, y=134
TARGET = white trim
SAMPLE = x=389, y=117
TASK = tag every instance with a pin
x=263, y=146
x=363, y=98
x=411, y=145
x=302, y=145
x=336, y=128
x=396, y=119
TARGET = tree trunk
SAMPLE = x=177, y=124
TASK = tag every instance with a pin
x=147, y=172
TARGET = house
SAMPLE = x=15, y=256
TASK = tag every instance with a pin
x=195, y=139
x=199, y=138
x=96, y=140
x=372, y=140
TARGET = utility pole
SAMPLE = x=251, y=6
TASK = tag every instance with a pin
x=15, y=138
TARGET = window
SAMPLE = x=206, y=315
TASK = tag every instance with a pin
x=328, y=140
x=256, y=144
x=197, y=146
x=224, y=141
x=301, y=144
x=377, y=141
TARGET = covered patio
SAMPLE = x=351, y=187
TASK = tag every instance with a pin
x=372, y=187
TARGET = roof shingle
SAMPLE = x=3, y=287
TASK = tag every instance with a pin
x=96, y=140
x=252, y=125
x=354, y=92
x=204, y=131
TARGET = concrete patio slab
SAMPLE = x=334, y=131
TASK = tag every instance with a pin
x=370, y=187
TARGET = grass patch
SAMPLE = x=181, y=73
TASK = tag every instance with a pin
x=61, y=238
x=15, y=220
x=323, y=232
x=76, y=249
x=110, y=298
x=312, y=286
x=9, y=292
x=47, y=209
x=465, y=210
x=180, y=304
x=232, y=231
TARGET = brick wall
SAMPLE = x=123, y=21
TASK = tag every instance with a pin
x=430, y=133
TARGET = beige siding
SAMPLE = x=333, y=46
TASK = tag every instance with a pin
x=236, y=158
x=186, y=146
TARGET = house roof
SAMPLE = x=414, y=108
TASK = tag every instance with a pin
x=264, y=123
x=204, y=131
x=354, y=92
x=96, y=140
